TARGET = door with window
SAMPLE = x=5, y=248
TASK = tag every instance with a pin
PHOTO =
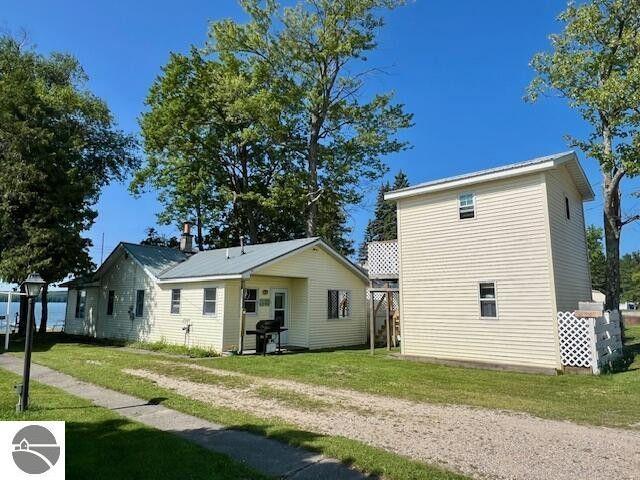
x=280, y=310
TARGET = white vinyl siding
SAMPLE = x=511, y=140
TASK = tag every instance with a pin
x=443, y=259
x=324, y=272
x=568, y=241
x=156, y=322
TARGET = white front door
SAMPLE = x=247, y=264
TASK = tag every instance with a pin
x=280, y=310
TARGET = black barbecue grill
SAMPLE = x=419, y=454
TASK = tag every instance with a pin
x=265, y=329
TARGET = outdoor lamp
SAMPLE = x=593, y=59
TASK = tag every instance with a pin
x=33, y=285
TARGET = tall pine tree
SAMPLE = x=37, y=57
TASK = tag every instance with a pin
x=383, y=225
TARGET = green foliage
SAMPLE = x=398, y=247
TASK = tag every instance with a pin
x=58, y=148
x=158, y=240
x=597, y=260
x=213, y=137
x=383, y=225
x=314, y=54
x=595, y=65
x=630, y=277
x=164, y=347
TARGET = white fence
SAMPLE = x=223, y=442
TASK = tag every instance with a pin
x=382, y=259
x=588, y=341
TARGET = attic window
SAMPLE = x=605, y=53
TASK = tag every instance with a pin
x=466, y=205
x=567, y=207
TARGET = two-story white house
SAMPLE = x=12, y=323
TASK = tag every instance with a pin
x=486, y=260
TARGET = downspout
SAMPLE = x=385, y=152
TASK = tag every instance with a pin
x=241, y=332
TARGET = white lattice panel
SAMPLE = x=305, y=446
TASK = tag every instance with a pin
x=575, y=340
x=382, y=258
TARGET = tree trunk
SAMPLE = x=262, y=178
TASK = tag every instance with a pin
x=24, y=305
x=199, y=239
x=312, y=186
x=45, y=309
x=612, y=221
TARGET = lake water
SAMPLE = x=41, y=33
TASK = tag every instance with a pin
x=56, y=314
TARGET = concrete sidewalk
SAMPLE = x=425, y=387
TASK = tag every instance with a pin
x=263, y=454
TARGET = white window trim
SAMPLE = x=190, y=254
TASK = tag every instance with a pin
x=257, y=302
x=350, y=313
x=171, y=312
x=475, y=206
x=495, y=291
x=215, y=302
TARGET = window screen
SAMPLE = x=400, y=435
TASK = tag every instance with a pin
x=251, y=300
x=488, y=305
x=139, y=303
x=110, y=302
x=209, y=301
x=175, y=300
x=338, y=304
x=466, y=205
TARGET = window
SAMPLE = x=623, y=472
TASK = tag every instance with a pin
x=251, y=300
x=466, y=205
x=567, y=208
x=139, y=302
x=81, y=301
x=488, y=305
x=209, y=301
x=110, y=300
x=175, y=300
x=338, y=304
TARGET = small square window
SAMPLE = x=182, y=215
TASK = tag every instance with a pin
x=338, y=304
x=250, y=300
x=466, y=205
x=488, y=302
x=175, y=300
x=209, y=301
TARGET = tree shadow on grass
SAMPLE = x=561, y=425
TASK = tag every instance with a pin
x=117, y=448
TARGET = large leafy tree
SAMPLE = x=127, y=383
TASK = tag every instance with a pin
x=595, y=65
x=597, y=259
x=630, y=277
x=58, y=147
x=315, y=51
x=213, y=136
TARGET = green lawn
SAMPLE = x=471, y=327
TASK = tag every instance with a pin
x=605, y=400
x=103, y=445
x=103, y=365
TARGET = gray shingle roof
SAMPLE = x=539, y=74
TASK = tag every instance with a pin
x=155, y=259
x=215, y=263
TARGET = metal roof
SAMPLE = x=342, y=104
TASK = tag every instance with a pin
x=155, y=259
x=214, y=263
x=548, y=161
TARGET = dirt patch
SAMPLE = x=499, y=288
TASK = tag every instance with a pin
x=478, y=442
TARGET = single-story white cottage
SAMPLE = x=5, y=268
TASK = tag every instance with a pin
x=487, y=259
x=152, y=293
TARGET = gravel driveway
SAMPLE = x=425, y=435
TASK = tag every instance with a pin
x=478, y=442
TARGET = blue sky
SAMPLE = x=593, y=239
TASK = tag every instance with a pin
x=461, y=71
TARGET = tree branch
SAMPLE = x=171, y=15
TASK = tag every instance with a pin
x=631, y=219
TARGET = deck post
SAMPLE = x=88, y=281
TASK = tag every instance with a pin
x=387, y=320
x=241, y=332
x=6, y=331
x=372, y=322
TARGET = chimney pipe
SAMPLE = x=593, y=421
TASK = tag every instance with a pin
x=186, y=239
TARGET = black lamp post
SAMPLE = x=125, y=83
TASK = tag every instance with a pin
x=33, y=286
